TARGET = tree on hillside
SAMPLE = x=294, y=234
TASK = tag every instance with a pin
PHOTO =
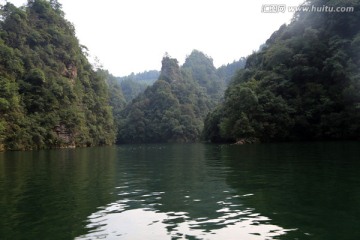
x=171, y=110
x=51, y=96
x=305, y=81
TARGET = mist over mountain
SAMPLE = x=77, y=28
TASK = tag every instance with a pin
x=303, y=84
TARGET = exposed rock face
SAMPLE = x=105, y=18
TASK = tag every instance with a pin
x=246, y=141
x=70, y=72
x=170, y=70
x=66, y=137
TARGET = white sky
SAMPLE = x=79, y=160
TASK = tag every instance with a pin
x=133, y=35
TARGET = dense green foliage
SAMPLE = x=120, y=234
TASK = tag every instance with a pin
x=146, y=77
x=228, y=71
x=170, y=110
x=132, y=88
x=134, y=84
x=50, y=95
x=117, y=100
x=304, y=84
x=201, y=68
x=173, y=109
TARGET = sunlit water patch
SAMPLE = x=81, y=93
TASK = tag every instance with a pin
x=140, y=217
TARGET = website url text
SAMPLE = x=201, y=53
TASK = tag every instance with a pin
x=282, y=8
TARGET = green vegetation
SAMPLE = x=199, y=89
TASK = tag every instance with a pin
x=170, y=110
x=134, y=84
x=50, y=95
x=304, y=84
x=201, y=68
x=146, y=77
x=227, y=72
x=117, y=100
x=173, y=109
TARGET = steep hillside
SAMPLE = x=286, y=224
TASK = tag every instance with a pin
x=117, y=99
x=201, y=68
x=134, y=84
x=171, y=110
x=50, y=95
x=228, y=71
x=304, y=84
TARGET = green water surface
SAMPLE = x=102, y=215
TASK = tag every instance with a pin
x=183, y=191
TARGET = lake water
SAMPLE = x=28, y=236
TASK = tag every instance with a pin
x=183, y=191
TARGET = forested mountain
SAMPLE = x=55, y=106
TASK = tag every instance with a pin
x=171, y=110
x=117, y=99
x=134, y=84
x=201, y=69
x=228, y=71
x=304, y=84
x=50, y=95
x=132, y=88
x=146, y=77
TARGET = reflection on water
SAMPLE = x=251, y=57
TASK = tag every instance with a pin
x=119, y=220
x=177, y=192
x=190, y=191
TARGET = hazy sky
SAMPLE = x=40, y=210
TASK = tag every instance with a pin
x=133, y=35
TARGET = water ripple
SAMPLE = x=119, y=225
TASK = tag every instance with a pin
x=138, y=216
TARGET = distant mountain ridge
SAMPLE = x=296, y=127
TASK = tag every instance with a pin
x=52, y=97
x=148, y=77
x=134, y=84
x=174, y=107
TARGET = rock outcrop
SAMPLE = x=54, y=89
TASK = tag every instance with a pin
x=66, y=137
